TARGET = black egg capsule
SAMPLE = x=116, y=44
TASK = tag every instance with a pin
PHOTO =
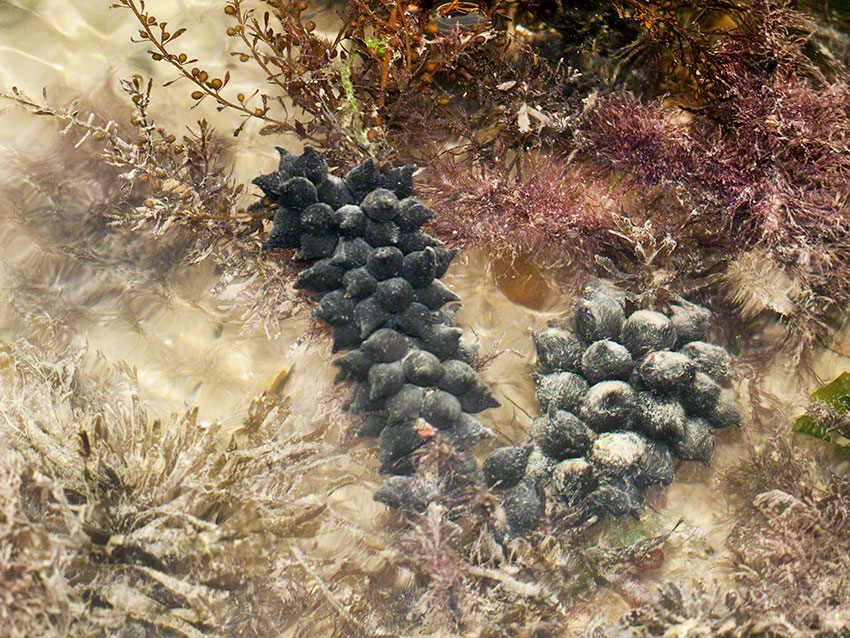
x=422, y=368
x=505, y=466
x=557, y=351
x=385, y=346
x=381, y=205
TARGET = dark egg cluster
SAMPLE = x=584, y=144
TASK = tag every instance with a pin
x=376, y=278
x=621, y=396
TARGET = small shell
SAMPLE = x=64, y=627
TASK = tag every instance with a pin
x=646, y=331
x=606, y=360
x=523, y=508
x=362, y=179
x=667, y=372
x=558, y=351
x=561, y=435
x=562, y=391
x=599, y=317
x=406, y=493
x=381, y=205
x=609, y=405
x=394, y=294
x=385, y=262
x=441, y=409
x=385, y=380
x=505, y=466
x=458, y=377
x=711, y=359
x=412, y=214
x=385, y=346
x=369, y=316
x=422, y=368
x=333, y=192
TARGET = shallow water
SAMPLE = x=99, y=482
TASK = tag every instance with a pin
x=190, y=347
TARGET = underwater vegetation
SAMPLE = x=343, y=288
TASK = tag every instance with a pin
x=681, y=150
